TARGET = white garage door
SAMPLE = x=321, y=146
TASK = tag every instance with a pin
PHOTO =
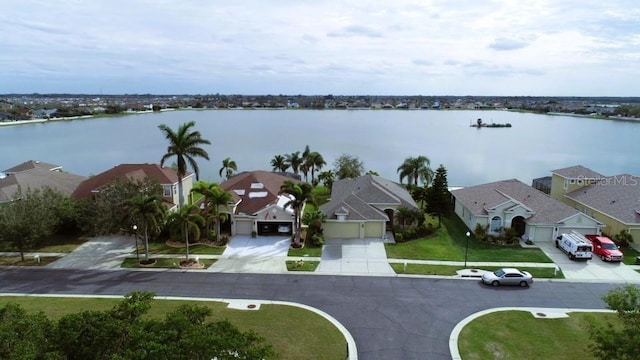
x=373, y=229
x=341, y=230
x=244, y=227
x=543, y=234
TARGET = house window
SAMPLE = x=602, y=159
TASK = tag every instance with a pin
x=167, y=190
x=175, y=189
x=496, y=224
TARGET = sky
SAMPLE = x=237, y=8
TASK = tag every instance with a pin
x=319, y=47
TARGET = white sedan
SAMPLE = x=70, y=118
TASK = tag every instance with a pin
x=507, y=276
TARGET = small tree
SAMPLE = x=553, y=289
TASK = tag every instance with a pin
x=348, y=166
x=618, y=341
x=314, y=219
x=438, y=196
x=623, y=238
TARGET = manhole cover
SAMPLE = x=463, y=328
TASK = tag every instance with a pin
x=251, y=306
x=541, y=314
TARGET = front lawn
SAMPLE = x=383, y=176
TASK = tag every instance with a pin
x=451, y=270
x=295, y=333
x=630, y=255
x=196, y=249
x=54, y=244
x=518, y=335
x=28, y=261
x=450, y=241
x=311, y=251
x=302, y=265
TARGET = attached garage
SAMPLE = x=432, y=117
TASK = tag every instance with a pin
x=581, y=230
x=244, y=226
x=275, y=228
x=374, y=229
x=540, y=233
x=341, y=229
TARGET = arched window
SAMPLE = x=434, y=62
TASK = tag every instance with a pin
x=496, y=224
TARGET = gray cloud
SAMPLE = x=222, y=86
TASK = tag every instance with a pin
x=355, y=30
x=504, y=44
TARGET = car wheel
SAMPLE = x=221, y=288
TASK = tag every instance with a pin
x=523, y=284
x=570, y=255
x=495, y=283
x=557, y=245
x=602, y=258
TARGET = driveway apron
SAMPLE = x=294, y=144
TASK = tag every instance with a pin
x=103, y=252
x=595, y=269
x=263, y=254
x=354, y=257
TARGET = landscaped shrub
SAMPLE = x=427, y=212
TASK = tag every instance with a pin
x=224, y=240
x=623, y=238
x=399, y=238
x=481, y=232
x=317, y=239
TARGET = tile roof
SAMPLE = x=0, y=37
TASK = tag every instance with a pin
x=368, y=190
x=38, y=178
x=479, y=198
x=32, y=164
x=163, y=175
x=576, y=172
x=617, y=196
x=252, y=197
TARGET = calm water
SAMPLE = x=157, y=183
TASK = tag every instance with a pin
x=534, y=145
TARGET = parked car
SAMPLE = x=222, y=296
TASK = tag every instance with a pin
x=605, y=248
x=507, y=276
x=284, y=229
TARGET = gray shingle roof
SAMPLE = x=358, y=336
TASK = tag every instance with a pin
x=361, y=193
x=617, y=196
x=546, y=210
x=576, y=172
x=32, y=164
x=38, y=178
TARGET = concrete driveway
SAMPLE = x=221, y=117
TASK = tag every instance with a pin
x=595, y=269
x=103, y=252
x=263, y=254
x=354, y=257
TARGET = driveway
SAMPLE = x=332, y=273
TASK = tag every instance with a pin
x=594, y=269
x=263, y=254
x=103, y=253
x=354, y=257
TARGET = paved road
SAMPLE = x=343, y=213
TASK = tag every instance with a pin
x=389, y=317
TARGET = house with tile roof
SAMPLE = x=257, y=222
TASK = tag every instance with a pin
x=513, y=204
x=612, y=200
x=36, y=175
x=165, y=176
x=364, y=207
x=258, y=205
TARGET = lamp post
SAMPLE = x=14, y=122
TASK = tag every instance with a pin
x=466, y=249
x=135, y=234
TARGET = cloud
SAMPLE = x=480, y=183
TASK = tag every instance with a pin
x=504, y=44
x=356, y=30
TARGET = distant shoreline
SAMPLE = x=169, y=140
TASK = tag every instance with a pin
x=99, y=116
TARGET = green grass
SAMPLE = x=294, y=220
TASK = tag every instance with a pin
x=198, y=249
x=451, y=270
x=294, y=333
x=449, y=243
x=54, y=244
x=630, y=255
x=28, y=261
x=302, y=266
x=312, y=251
x=162, y=263
x=518, y=335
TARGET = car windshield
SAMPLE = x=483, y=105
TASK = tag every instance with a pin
x=610, y=246
x=498, y=273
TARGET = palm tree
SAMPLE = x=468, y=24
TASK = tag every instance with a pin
x=185, y=146
x=416, y=169
x=279, y=163
x=305, y=166
x=228, y=167
x=294, y=161
x=186, y=221
x=327, y=178
x=206, y=190
x=315, y=161
x=219, y=198
x=148, y=212
x=300, y=193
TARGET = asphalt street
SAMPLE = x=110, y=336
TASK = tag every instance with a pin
x=389, y=317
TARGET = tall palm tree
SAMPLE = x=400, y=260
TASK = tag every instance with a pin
x=315, y=161
x=305, y=166
x=148, y=212
x=279, y=163
x=327, y=178
x=206, y=190
x=185, y=146
x=416, y=168
x=294, y=161
x=219, y=199
x=186, y=221
x=300, y=193
x=228, y=167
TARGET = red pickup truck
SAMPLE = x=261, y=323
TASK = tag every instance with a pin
x=605, y=248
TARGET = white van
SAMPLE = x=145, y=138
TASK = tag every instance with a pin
x=575, y=245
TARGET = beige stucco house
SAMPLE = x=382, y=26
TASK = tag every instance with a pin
x=612, y=200
x=511, y=203
x=165, y=176
x=257, y=204
x=364, y=207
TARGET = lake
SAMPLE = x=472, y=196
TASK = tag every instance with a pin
x=382, y=139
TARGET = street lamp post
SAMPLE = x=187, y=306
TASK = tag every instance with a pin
x=135, y=234
x=466, y=250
